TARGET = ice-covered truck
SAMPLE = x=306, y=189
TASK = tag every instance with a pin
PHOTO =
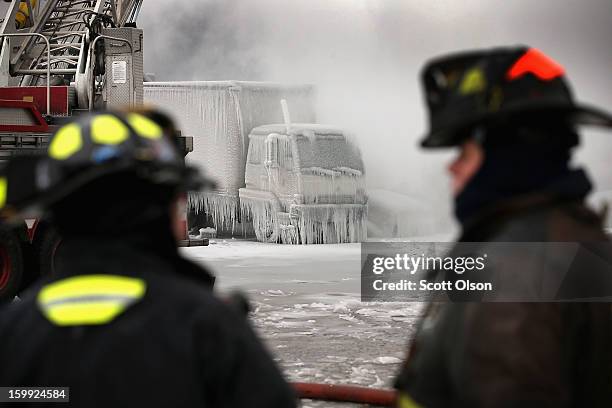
x=289, y=181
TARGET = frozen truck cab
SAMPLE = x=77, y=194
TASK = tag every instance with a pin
x=304, y=184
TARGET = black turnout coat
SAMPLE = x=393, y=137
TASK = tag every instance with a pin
x=474, y=354
x=176, y=346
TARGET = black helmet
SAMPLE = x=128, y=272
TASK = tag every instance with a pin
x=501, y=85
x=90, y=148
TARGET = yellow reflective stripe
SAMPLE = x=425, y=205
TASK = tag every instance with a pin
x=405, y=401
x=108, y=129
x=89, y=299
x=3, y=190
x=92, y=285
x=144, y=126
x=84, y=313
x=473, y=81
x=66, y=142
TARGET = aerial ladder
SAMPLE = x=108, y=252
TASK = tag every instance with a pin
x=62, y=57
x=58, y=59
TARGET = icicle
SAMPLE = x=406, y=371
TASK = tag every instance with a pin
x=222, y=209
x=321, y=224
x=337, y=188
x=320, y=171
x=264, y=217
x=348, y=171
x=289, y=234
x=285, y=152
x=332, y=224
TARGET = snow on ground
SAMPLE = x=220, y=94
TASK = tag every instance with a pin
x=307, y=309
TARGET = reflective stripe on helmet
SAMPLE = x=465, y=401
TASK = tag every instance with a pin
x=66, y=142
x=89, y=300
x=144, y=126
x=108, y=129
x=473, y=82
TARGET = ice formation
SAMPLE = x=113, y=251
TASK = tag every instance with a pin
x=330, y=205
x=304, y=183
x=320, y=171
x=222, y=208
x=348, y=171
x=345, y=224
x=306, y=224
x=208, y=232
x=219, y=115
x=264, y=217
x=315, y=200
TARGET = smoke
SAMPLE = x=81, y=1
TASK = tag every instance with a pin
x=365, y=57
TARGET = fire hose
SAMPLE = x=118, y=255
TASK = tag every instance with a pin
x=345, y=393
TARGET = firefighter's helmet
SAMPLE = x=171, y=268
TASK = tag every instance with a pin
x=91, y=147
x=497, y=86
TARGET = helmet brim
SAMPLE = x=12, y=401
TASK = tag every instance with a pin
x=579, y=115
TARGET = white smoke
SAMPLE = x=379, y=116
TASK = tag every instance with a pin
x=365, y=57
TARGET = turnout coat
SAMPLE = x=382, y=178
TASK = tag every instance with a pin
x=475, y=354
x=126, y=327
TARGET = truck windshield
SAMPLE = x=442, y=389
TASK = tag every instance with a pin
x=328, y=152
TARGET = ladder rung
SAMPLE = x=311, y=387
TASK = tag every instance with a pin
x=71, y=5
x=60, y=47
x=43, y=65
x=61, y=33
x=70, y=14
x=62, y=71
x=64, y=25
x=67, y=21
x=63, y=57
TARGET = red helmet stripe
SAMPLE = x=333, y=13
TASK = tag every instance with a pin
x=537, y=63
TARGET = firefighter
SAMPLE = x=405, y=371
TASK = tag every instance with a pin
x=125, y=320
x=510, y=113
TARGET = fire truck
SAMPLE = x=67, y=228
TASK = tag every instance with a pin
x=58, y=58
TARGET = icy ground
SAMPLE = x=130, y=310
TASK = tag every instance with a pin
x=307, y=309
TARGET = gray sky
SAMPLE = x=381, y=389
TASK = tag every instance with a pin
x=365, y=57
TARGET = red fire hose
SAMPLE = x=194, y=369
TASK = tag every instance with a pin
x=346, y=393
